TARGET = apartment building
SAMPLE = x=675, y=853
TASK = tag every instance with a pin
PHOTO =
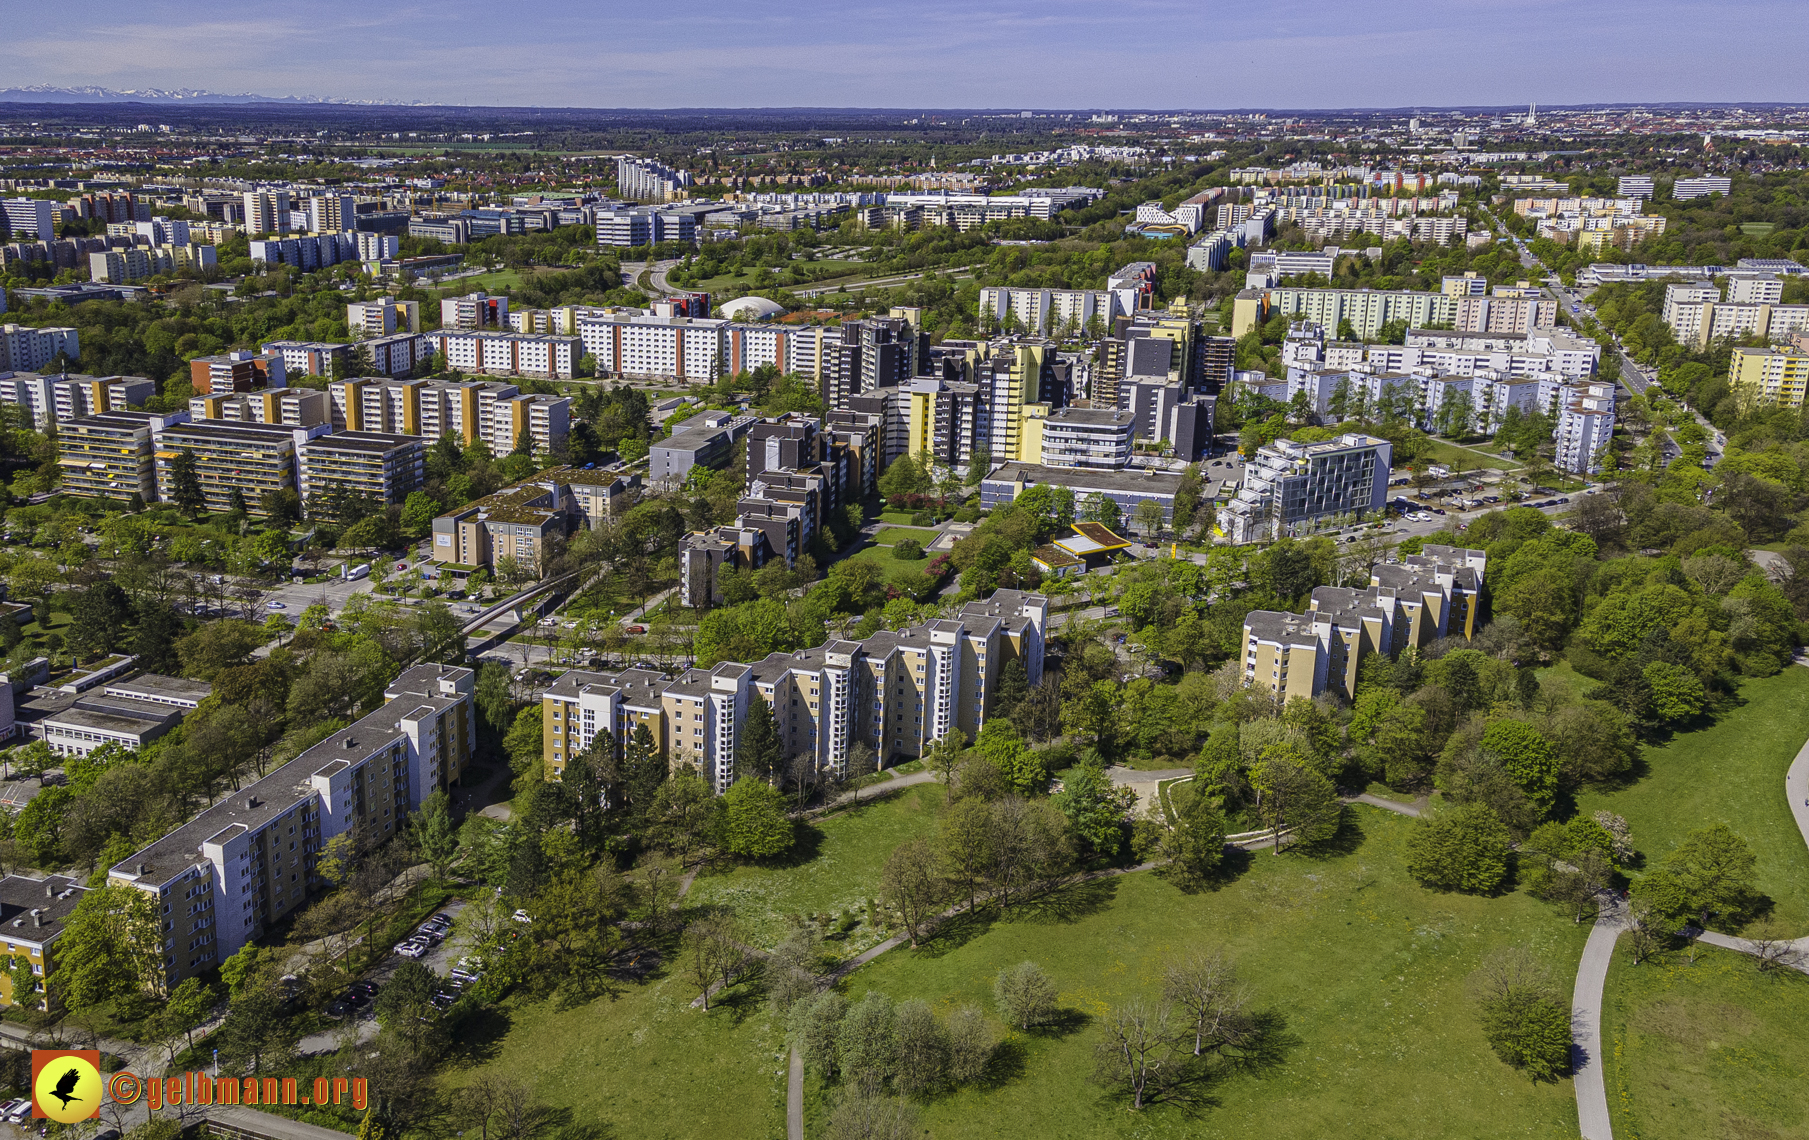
x=242, y=371
x=1099, y=438
x=33, y=913
x=1041, y=312
x=1585, y=426
x=1499, y=314
x=284, y=407
x=474, y=311
x=62, y=397
x=243, y=865
x=382, y=317
x=1634, y=186
x=380, y=466
x=545, y=421
x=1367, y=310
x=398, y=354
x=1777, y=377
x=120, y=266
x=947, y=420
x=645, y=180
x=510, y=353
x=1290, y=486
x=1698, y=316
x=1408, y=605
x=894, y=692
x=33, y=217
x=633, y=345
x=308, y=357
x=111, y=455
x=430, y=408
x=27, y=349
x=1685, y=189
x=253, y=459
x=266, y=211
x=706, y=439
x=524, y=523
x=320, y=251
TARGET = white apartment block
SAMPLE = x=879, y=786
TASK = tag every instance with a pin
x=382, y=317
x=1585, y=425
x=1686, y=188
x=638, y=346
x=55, y=398
x=26, y=349
x=31, y=219
x=645, y=180
x=1635, y=186
x=1754, y=288
x=510, y=354
x=1042, y=312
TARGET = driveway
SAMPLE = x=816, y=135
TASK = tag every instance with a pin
x=439, y=960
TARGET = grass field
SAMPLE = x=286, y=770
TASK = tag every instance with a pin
x=1732, y=770
x=902, y=518
x=1713, y=1049
x=1367, y=970
x=892, y=534
x=888, y=565
x=489, y=282
x=732, y=285
x=1442, y=452
x=846, y=853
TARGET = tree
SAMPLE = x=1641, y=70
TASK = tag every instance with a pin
x=943, y=754
x=860, y=1116
x=188, y=1006
x=1095, y=809
x=683, y=810
x=1528, y=759
x=1523, y=1017
x=1025, y=995
x=964, y=847
x=754, y=823
x=1675, y=693
x=185, y=484
x=702, y=951
x=1294, y=796
x=1195, y=846
x=1714, y=867
x=418, y=513
x=1135, y=1048
x=866, y=1044
x=814, y=1024
x=970, y=1044
x=923, y=1048
x=759, y=753
x=433, y=833
x=907, y=550
x=912, y=885
x=1149, y=517
x=110, y=948
x=1461, y=848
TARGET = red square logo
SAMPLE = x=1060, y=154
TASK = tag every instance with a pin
x=66, y=1084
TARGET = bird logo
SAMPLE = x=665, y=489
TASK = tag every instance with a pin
x=66, y=1084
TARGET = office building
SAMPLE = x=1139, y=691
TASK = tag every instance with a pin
x=1098, y=438
x=894, y=692
x=378, y=466
x=451, y=231
x=26, y=349
x=111, y=455
x=1290, y=487
x=644, y=225
x=241, y=371
x=1408, y=605
x=245, y=864
x=645, y=180
x=1685, y=189
x=34, y=913
x=474, y=311
x=524, y=523
x=1771, y=377
x=253, y=459
x=76, y=719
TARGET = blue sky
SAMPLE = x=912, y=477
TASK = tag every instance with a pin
x=930, y=53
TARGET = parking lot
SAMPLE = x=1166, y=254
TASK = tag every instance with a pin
x=440, y=959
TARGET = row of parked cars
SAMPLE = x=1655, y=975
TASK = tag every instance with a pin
x=430, y=934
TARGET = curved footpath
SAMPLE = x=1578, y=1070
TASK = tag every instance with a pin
x=1592, y=974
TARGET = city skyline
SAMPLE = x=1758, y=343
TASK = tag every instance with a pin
x=997, y=55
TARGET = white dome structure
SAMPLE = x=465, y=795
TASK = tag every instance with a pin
x=752, y=309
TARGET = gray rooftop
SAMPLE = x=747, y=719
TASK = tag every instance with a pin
x=1135, y=482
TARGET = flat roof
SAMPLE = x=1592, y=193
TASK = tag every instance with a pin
x=158, y=685
x=1156, y=483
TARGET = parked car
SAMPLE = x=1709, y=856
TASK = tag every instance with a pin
x=273, y=605
x=413, y=948
x=522, y=916
x=20, y=1114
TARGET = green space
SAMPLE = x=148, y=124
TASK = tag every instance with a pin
x=729, y=286
x=891, y=535
x=1757, y=229
x=839, y=879
x=1448, y=453
x=1713, y=1049
x=492, y=282
x=644, y=1063
x=1731, y=771
x=888, y=565
x=1367, y=971
x=901, y=517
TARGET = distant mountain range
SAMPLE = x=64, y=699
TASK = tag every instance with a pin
x=45, y=93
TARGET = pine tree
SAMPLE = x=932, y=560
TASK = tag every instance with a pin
x=236, y=502
x=185, y=484
x=758, y=757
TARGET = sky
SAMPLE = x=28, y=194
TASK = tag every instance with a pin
x=1008, y=54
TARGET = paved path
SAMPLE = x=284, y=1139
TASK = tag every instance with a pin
x=873, y=791
x=1586, y=1026
x=1145, y=784
x=1414, y=810
x=794, y=1097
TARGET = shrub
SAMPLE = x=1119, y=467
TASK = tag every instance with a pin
x=1460, y=849
x=907, y=550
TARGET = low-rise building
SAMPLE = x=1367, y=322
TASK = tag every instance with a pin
x=33, y=914
x=1128, y=489
x=706, y=439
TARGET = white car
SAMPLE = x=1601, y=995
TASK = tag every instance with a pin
x=522, y=916
x=413, y=948
x=275, y=606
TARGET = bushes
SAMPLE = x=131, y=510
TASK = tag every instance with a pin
x=907, y=550
x=1524, y=1019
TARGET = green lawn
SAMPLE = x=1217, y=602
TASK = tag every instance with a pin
x=1713, y=1049
x=732, y=285
x=646, y=1064
x=1447, y=453
x=494, y=281
x=903, y=518
x=849, y=849
x=1732, y=771
x=888, y=565
x=892, y=534
x=1367, y=970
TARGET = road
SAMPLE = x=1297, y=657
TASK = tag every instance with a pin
x=880, y=282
